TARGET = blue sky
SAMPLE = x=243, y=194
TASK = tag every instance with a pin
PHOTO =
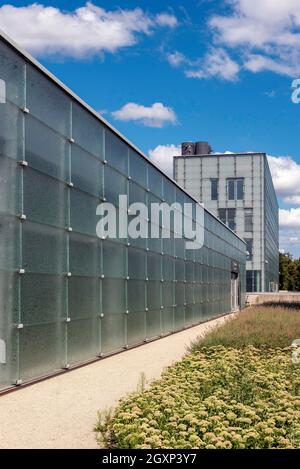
x=221, y=71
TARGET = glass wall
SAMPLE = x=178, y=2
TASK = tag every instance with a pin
x=66, y=296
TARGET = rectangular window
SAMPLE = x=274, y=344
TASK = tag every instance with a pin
x=227, y=216
x=214, y=189
x=253, y=281
x=240, y=189
x=230, y=189
x=231, y=218
x=249, y=249
x=222, y=215
x=249, y=220
x=235, y=189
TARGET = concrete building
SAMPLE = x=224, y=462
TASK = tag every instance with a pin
x=238, y=189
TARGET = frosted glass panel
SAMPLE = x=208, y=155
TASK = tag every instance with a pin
x=11, y=131
x=87, y=172
x=10, y=187
x=138, y=168
x=116, y=152
x=136, y=328
x=84, y=297
x=12, y=71
x=154, y=295
x=167, y=320
x=43, y=298
x=136, y=295
x=114, y=259
x=113, y=296
x=42, y=349
x=115, y=184
x=84, y=255
x=87, y=131
x=45, y=206
x=83, y=218
x=136, y=264
x=52, y=158
x=47, y=102
x=83, y=340
x=113, y=336
x=44, y=249
x=153, y=325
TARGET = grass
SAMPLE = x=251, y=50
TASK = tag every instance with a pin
x=258, y=326
x=236, y=388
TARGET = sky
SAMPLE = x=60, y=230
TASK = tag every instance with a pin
x=164, y=72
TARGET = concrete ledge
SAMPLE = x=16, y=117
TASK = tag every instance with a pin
x=281, y=297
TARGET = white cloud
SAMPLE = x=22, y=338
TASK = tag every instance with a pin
x=176, y=58
x=162, y=155
x=216, y=64
x=259, y=63
x=86, y=31
x=165, y=19
x=289, y=218
x=267, y=30
x=156, y=115
x=286, y=178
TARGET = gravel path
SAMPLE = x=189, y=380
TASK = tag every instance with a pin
x=61, y=412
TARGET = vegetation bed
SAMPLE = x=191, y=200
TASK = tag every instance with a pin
x=216, y=397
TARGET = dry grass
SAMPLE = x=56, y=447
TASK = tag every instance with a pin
x=260, y=326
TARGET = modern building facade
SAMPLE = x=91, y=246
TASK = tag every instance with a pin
x=238, y=189
x=66, y=295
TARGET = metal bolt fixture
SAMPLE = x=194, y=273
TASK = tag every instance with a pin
x=67, y=366
x=146, y=309
x=22, y=217
x=69, y=274
x=25, y=110
x=129, y=178
x=19, y=382
x=104, y=161
x=21, y=271
x=70, y=184
x=101, y=315
x=102, y=275
x=20, y=326
x=71, y=140
x=104, y=199
x=127, y=312
x=127, y=278
x=69, y=228
x=68, y=319
x=23, y=163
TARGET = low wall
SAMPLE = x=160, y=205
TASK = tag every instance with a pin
x=282, y=297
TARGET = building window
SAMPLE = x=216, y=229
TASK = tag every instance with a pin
x=235, y=189
x=249, y=249
x=248, y=219
x=214, y=189
x=253, y=281
x=227, y=216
